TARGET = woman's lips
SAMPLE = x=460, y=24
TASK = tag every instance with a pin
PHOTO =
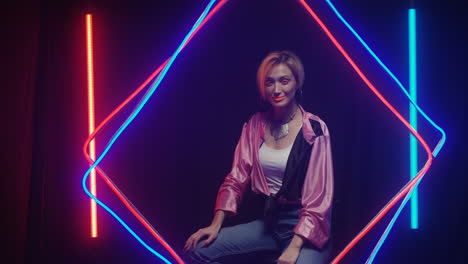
x=279, y=98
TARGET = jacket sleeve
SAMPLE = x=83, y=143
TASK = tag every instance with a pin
x=317, y=193
x=231, y=191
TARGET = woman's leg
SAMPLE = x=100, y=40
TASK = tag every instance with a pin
x=234, y=241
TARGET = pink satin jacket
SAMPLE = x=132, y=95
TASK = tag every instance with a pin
x=317, y=191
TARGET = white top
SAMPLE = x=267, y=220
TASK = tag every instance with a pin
x=273, y=163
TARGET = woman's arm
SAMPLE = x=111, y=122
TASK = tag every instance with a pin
x=236, y=182
x=317, y=193
x=218, y=219
x=296, y=242
x=291, y=253
x=230, y=192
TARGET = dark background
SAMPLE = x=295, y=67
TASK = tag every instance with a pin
x=172, y=158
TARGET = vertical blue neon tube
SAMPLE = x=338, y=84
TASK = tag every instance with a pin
x=413, y=114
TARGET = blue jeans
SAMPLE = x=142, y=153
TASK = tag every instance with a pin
x=258, y=236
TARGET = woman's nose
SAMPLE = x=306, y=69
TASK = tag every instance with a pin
x=276, y=89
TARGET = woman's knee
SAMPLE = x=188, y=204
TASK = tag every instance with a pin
x=233, y=241
x=199, y=255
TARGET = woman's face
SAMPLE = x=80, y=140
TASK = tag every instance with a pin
x=280, y=86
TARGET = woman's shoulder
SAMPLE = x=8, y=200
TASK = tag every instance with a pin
x=254, y=123
x=256, y=118
x=315, y=124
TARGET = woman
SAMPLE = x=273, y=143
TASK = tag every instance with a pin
x=285, y=154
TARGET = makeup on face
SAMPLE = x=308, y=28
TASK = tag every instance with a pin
x=280, y=86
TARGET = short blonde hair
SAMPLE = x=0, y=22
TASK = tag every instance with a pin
x=280, y=57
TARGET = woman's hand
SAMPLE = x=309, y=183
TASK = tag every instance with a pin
x=211, y=232
x=291, y=253
x=289, y=256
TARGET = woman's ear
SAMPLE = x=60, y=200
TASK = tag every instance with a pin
x=298, y=95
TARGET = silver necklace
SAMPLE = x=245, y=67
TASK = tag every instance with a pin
x=280, y=130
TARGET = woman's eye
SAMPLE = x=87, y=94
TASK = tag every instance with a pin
x=284, y=82
x=268, y=83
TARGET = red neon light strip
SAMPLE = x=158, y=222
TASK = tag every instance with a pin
x=92, y=146
x=410, y=184
x=91, y=159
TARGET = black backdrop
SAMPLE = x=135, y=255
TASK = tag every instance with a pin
x=173, y=157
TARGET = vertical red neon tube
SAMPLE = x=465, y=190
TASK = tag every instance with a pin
x=92, y=146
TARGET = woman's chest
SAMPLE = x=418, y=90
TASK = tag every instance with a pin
x=293, y=129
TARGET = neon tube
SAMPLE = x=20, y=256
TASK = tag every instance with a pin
x=92, y=146
x=125, y=125
x=410, y=184
x=106, y=179
x=405, y=91
x=436, y=149
x=413, y=144
x=140, y=88
x=413, y=114
x=103, y=123
x=390, y=226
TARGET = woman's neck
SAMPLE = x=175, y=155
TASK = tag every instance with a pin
x=283, y=114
